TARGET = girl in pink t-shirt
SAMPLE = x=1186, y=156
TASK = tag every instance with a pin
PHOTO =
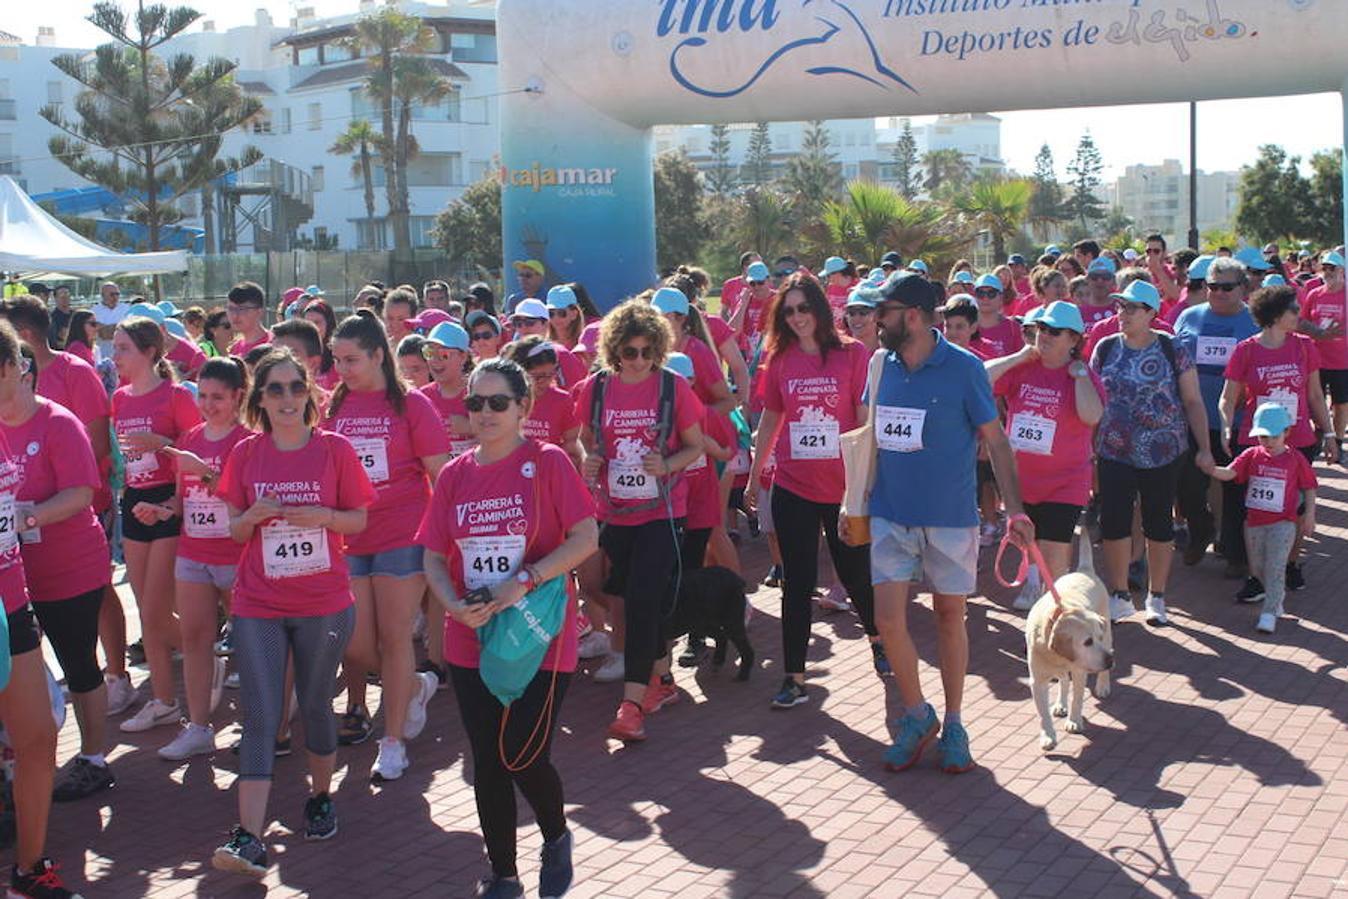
x=552, y=414
x=204, y=570
x=294, y=493
x=401, y=440
x=447, y=357
x=151, y=412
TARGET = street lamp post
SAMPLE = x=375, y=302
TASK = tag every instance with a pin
x=1193, y=175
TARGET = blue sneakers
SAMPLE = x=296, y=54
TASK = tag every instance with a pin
x=555, y=874
x=914, y=736
x=954, y=750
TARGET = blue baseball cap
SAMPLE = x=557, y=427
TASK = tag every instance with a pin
x=146, y=310
x=1253, y=259
x=964, y=277
x=530, y=308
x=449, y=335
x=1060, y=314
x=862, y=296
x=561, y=297
x=670, y=300
x=1198, y=269
x=167, y=307
x=1033, y=316
x=917, y=265
x=1052, y=250
x=1274, y=281
x=834, y=264
x=989, y=281
x=1015, y=259
x=680, y=365
x=891, y=258
x=757, y=271
x=1103, y=264
x=1140, y=291
x=1332, y=258
x=296, y=309
x=313, y=290
x=175, y=327
x=1270, y=420
x=481, y=316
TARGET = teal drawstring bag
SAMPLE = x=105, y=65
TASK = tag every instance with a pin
x=4, y=652
x=515, y=640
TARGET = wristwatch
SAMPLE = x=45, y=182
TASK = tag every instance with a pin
x=29, y=521
x=526, y=580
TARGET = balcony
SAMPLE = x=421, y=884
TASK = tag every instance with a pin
x=7, y=111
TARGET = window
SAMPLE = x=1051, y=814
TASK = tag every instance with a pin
x=306, y=56
x=316, y=178
x=435, y=170
x=285, y=120
x=370, y=234
x=336, y=53
x=473, y=47
x=421, y=226
x=453, y=108
x=478, y=169
x=262, y=122
x=361, y=107
x=315, y=116
x=55, y=92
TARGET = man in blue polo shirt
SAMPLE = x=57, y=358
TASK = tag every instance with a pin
x=933, y=404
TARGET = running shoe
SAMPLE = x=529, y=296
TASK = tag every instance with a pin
x=42, y=882
x=225, y=645
x=953, y=749
x=355, y=727
x=774, y=578
x=320, y=817
x=1252, y=592
x=441, y=674
x=613, y=670
x=629, y=725
x=880, y=660
x=790, y=695
x=914, y=737
x=835, y=600
x=217, y=682
x=594, y=645
x=193, y=739
x=243, y=854
x=426, y=685
x=1120, y=606
x=151, y=715
x=121, y=694
x=1156, y=615
x=499, y=888
x=1030, y=591
x=659, y=693
x=391, y=761
x=80, y=778
x=555, y=873
x=1268, y=622
x=1296, y=579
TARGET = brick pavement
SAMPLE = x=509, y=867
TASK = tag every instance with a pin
x=1219, y=767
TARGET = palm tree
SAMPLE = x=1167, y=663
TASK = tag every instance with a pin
x=360, y=138
x=873, y=219
x=998, y=207
x=415, y=83
x=763, y=221
x=946, y=168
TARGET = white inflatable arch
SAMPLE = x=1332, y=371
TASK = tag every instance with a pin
x=576, y=145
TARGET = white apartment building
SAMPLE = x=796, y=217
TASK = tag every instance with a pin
x=310, y=87
x=1156, y=198
x=978, y=137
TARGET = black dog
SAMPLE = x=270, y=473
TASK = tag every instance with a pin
x=711, y=603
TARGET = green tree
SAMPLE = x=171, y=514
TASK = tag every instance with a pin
x=758, y=157
x=721, y=175
x=997, y=207
x=361, y=139
x=813, y=176
x=147, y=128
x=1324, y=218
x=1046, y=205
x=680, y=227
x=946, y=170
x=1085, y=171
x=872, y=219
x=907, y=169
x=469, y=229
x=764, y=220
x=1119, y=229
x=1272, y=197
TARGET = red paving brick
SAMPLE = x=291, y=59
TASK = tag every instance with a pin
x=1218, y=767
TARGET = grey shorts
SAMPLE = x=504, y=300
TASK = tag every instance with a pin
x=948, y=557
x=400, y=562
x=192, y=572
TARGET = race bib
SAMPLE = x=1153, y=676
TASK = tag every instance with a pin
x=458, y=447
x=697, y=464
x=22, y=511
x=740, y=463
x=1266, y=494
x=205, y=517
x=9, y=523
x=814, y=439
x=1215, y=350
x=1033, y=434
x=487, y=561
x=289, y=551
x=899, y=430
x=373, y=453
x=631, y=481
x=142, y=466
x=1290, y=402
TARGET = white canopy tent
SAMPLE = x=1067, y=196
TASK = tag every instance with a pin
x=32, y=241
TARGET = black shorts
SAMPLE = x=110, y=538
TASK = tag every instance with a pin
x=1335, y=380
x=23, y=632
x=71, y=626
x=132, y=529
x=1054, y=522
x=618, y=541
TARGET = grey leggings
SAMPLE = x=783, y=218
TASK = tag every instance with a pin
x=261, y=647
x=1270, y=545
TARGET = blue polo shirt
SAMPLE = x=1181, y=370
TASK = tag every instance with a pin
x=1209, y=337
x=935, y=486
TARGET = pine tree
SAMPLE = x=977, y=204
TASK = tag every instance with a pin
x=1046, y=206
x=907, y=171
x=1272, y=197
x=721, y=175
x=758, y=157
x=680, y=228
x=1085, y=168
x=813, y=178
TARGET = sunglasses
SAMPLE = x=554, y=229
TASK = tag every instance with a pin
x=277, y=390
x=1050, y=330
x=1225, y=288
x=802, y=309
x=484, y=335
x=498, y=402
x=786, y=272
x=1100, y=276
x=434, y=353
x=557, y=313
x=1135, y=307
x=987, y=293
x=631, y=352
x=757, y=283
x=524, y=321
x=1154, y=252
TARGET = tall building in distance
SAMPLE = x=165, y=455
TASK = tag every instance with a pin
x=1156, y=198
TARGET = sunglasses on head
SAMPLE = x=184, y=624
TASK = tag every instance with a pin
x=1225, y=288
x=484, y=335
x=276, y=389
x=631, y=352
x=498, y=402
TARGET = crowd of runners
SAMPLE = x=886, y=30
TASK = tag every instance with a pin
x=440, y=491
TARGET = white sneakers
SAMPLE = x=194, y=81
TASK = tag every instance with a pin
x=593, y=645
x=1156, y=616
x=391, y=761
x=1030, y=592
x=1120, y=607
x=427, y=684
x=153, y=714
x=612, y=671
x=192, y=740
x=1268, y=622
x=121, y=695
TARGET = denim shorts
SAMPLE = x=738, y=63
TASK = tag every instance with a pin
x=400, y=562
x=190, y=571
x=948, y=557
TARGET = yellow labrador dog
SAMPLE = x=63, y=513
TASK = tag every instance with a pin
x=1070, y=643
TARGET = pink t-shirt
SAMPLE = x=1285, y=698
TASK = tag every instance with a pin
x=80, y=351
x=1280, y=376
x=551, y=416
x=704, y=486
x=391, y=447
x=169, y=410
x=282, y=572
x=837, y=302
x=730, y=295
x=1022, y=306
x=1002, y=339
x=629, y=420
x=187, y=357
x=490, y=520
x=718, y=330
x=205, y=530
x=13, y=587
x=1051, y=442
x=53, y=453
x=706, y=368
x=1107, y=326
x=240, y=346
x=1092, y=314
x=461, y=438
x=1171, y=313
x=590, y=338
x=1275, y=484
x=1326, y=308
x=328, y=380
x=817, y=399
x=73, y=383
x=571, y=369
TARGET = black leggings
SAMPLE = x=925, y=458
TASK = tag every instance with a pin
x=493, y=785
x=643, y=570
x=1193, y=503
x=1120, y=487
x=797, y=522
x=72, y=627
x=695, y=548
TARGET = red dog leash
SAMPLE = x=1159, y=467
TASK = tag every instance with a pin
x=1028, y=554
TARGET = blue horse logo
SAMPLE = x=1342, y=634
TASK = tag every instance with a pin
x=835, y=20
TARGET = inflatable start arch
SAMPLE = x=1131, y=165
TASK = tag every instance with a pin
x=576, y=146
